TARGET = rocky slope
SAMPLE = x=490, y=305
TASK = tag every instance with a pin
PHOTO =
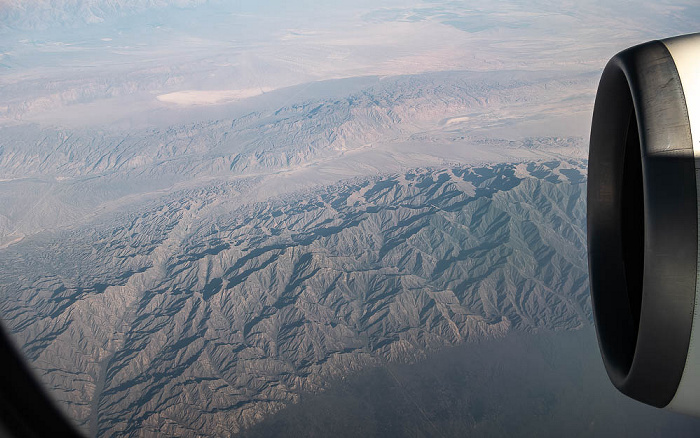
x=203, y=314
x=69, y=175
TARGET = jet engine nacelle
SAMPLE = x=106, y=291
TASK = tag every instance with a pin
x=643, y=207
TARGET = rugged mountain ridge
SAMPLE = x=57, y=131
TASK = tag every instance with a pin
x=203, y=316
x=282, y=134
x=67, y=175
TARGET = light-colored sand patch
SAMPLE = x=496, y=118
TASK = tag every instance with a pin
x=466, y=186
x=6, y=241
x=455, y=120
x=298, y=33
x=210, y=97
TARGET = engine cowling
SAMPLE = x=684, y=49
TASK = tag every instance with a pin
x=643, y=208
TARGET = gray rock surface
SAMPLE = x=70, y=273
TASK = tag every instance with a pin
x=199, y=317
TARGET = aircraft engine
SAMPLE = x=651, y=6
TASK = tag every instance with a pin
x=643, y=206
